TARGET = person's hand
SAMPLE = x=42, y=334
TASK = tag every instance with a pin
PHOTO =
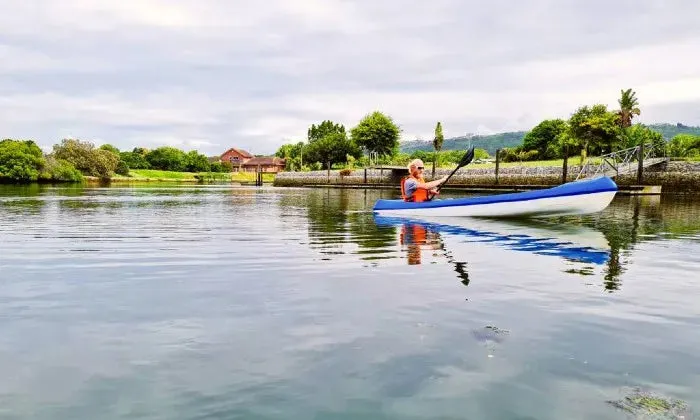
x=434, y=191
x=443, y=179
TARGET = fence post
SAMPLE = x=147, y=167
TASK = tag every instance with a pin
x=640, y=165
x=565, y=167
x=498, y=159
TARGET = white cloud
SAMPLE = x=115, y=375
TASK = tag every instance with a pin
x=211, y=74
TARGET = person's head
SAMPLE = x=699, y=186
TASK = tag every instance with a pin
x=416, y=167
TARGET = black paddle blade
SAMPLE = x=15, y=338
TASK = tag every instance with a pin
x=468, y=157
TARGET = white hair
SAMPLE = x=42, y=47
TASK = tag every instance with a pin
x=416, y=163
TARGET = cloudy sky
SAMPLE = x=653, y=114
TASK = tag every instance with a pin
x=213, y=74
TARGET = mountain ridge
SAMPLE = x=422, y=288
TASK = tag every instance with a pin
x=491, y=142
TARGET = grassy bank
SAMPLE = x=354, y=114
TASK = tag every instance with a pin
x=156, y=175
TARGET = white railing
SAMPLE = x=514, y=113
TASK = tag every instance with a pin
x=618, y=162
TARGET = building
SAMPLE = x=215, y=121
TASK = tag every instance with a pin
x=263, y=164
x=236, y=157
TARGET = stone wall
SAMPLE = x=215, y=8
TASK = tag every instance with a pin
x=672, y=176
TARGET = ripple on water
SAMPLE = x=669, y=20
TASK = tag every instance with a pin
x=198, y=302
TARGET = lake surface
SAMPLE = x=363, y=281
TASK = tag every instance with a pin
x=220, y=302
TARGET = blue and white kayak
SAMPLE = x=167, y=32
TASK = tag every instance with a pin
x=573, y=198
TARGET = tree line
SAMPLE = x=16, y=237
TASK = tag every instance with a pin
x=374, y=140
x=73, y=159
x=596, y=130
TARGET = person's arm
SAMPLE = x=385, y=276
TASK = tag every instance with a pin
x=432, y=184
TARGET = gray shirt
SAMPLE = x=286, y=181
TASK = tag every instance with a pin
x=410, y=186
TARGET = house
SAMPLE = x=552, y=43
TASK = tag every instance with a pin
x=237, y=157
x=263, y=164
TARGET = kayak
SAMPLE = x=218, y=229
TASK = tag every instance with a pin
x=572, y=198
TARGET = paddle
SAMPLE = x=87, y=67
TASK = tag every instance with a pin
x=466, y=159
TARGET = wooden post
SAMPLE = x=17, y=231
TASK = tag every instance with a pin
x=365, y=179
x=565, y=167
x=498, y=159
x=640, y=166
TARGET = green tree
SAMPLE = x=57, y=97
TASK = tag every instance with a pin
x=59, y=170
x=20, y=160
x=110, y=148
x=135, y=159
x=377, y=132
x=327, y=127
x=197, y=162
x=293, y=153
x=639, y=134
x=629, y=107
x=684, y=145
x=167, y=158
x=594, y=129
x=333, y=148
x=437, y=143
x=544, y=138
x=122, y=168
x=86, y=158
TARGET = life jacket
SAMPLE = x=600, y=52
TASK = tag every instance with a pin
x=419, y=195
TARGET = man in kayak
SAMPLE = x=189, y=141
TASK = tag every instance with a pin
x=414, y=188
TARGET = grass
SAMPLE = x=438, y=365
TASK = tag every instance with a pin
x=157, y=175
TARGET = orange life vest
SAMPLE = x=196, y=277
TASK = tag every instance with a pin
x=419, y=195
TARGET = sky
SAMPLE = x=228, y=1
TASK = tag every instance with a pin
x=208, y=75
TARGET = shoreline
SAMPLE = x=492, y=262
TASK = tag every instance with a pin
x=674, y=177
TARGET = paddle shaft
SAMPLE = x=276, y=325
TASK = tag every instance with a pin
x=468, y=157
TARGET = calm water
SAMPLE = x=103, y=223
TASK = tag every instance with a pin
x=211, y=302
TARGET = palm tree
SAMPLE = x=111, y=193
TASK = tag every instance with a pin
x=629, y=107
x=437, y=143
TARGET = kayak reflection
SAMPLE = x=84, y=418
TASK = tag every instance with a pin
x=570, y=242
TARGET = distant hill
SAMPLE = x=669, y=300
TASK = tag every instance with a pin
x=670, y=130
x=512, y=139
x=490, y=142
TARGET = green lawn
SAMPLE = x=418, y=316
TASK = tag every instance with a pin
x=156, y=175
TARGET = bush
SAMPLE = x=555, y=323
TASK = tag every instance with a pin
x=60, y=170
x=345, y=172
x=122, y=168
x=86, y=158
x=20, y=160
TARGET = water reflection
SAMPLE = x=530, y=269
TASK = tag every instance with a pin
x=341, y=225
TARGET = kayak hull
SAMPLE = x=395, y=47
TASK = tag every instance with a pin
x=573, y=198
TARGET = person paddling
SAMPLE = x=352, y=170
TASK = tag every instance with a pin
x=414, y=188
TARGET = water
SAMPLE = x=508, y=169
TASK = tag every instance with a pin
x=219, y=302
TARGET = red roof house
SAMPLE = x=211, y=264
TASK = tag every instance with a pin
x=264, y=164
x=237, y=157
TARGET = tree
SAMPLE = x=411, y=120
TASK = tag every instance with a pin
x=135, y=159
x=684, y=145
x=377, y=132
x=639, y=134
x=86, y=158
x=437, y=143
x=333, y=148
x=20, y=160
x=196, y=162
x=594, y=129
x=110, y=148
x=544, y=138
x=167, y=158
x=324, y=129
x=293, y=154
x=629, y=107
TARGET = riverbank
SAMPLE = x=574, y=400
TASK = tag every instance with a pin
x=149, y=175
x=673, y=177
